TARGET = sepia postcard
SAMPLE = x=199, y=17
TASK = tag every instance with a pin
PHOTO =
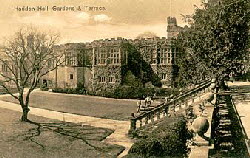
x=124, y=78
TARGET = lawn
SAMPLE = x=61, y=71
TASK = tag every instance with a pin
x=240, y=88
x=51, y=139
x=12, y=90
x=116, y=109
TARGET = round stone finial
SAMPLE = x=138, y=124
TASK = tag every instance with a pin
x=200, y=125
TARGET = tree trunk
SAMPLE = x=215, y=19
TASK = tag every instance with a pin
x=25, y=106
x=25, y=114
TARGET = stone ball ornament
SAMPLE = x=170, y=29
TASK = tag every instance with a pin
x=200, y=125
x=213, y=84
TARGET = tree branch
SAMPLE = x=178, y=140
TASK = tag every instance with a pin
x=8, y=91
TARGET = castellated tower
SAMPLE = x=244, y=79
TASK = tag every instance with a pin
x=172, y=29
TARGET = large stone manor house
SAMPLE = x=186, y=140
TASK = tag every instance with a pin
x=97, y=65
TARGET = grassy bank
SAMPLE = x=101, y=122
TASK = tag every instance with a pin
x=51, y=138
x=82, y=105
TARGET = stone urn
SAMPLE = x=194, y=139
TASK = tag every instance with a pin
x=200, y=127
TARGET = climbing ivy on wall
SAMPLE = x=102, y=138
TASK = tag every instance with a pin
x=139, y=68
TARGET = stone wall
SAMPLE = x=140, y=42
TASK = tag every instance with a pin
x=106, y=72
x=96, y=69
x=65, y=77
x=167, y=70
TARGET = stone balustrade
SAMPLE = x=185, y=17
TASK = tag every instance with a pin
x=169, y=107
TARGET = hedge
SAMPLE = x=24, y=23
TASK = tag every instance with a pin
x=121, y=92
x=167, y=140
x=127, y=92
x=69, y=90
x=44, y=87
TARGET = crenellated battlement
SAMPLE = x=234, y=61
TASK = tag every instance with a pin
x=172, y=21
x=119, y=40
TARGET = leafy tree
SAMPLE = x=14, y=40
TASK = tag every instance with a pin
x=146, y=34
x=27, y=57
x=130, y=80
x=216, y=43
x=139, y=68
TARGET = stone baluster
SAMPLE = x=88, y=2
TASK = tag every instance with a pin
x=205, y=90
x=183, y=104
x=193, y=96
x=171, y=110
x=189, y=100
x=200, y=94
x=133, y=124
x=140, y=122
x=146, y=120
x=186, y=102
x=152, y=117
x=159, y=115
x=176, y=108
x=164, y=112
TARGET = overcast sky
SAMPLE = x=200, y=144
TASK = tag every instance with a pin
x=121, y=18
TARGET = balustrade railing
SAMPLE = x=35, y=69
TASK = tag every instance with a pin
x=174, y=104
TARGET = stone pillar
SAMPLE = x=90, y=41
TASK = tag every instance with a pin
x=140, y=122
x=183, y=104
x=132, y=124
x=193, y=96
x=158, y=115
x=186, y=102
x=200, y=94
x=152, y=116
x=165, y=113
x=146, y=120
x=176, y=107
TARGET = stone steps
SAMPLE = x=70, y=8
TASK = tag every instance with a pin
x=223, y=133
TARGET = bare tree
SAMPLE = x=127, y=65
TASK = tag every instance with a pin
x=26, y=58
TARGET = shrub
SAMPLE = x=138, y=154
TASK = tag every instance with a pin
x=108, y=94
x=69, y=90
x=128, y=92
x=58, y=90
x=163, y=91
x=82, y=91
x=93, y=93
x=243, y=77
x=130, y=80
x=124, y=92
x=167, y=140
x=44, y=87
